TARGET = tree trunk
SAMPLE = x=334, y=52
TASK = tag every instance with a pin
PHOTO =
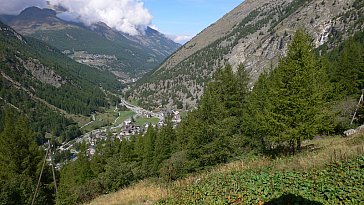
x=263, y=143
x=299, y=146
x=291, y=148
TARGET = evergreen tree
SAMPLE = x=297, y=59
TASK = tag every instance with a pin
x=149, y=147
x=20, y=162
x=213, y=132
x=298, y=91
x=139, y=147
x=348, y=68
x=163, y=145
x=73, y=177
x=256, y=123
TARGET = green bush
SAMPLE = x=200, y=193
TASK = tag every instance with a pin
x=117, y=174
x=174, y=167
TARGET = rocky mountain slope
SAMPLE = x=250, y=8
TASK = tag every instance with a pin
x=255, y=34
x=99, y=46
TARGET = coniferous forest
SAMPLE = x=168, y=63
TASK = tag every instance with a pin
x=300, y=99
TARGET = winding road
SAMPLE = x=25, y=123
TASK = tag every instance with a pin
x=140, y=111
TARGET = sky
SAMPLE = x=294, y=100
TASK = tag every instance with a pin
x=183, y=19
x=180, y=20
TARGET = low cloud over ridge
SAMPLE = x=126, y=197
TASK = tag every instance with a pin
x=14, y=7
x=128, y=16
x=182, y=39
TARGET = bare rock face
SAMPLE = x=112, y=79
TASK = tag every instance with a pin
x=258, y=50
x=212, y=33
x=10, y=32
x=43, y=73
x=255, y=34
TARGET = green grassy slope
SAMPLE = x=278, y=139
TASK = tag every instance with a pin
x=328, y=171
x=339, y=183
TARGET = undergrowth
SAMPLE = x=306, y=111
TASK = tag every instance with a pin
x=329, y=171
x=342, y=182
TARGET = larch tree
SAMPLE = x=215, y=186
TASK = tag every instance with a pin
x=297, y=94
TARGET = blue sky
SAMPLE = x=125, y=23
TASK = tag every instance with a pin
x=178, y=19
x=187, y=17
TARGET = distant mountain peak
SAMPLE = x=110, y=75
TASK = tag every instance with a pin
x=34, y=19
x=36, y=13
x=97, y=45
x=150, y=30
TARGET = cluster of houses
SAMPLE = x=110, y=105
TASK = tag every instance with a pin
x=176, y=116
x=129, y=129
x=121, y=132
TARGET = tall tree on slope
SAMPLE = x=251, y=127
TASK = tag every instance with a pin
x=297, y=94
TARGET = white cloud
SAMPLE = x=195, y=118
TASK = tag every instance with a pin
x=182, y=39
x=13, y=7
x=154, y=27
x=129, y=16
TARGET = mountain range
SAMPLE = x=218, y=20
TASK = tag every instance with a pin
x=285, y=96
x=48, y=87
x=97, y=45
x=255, y=34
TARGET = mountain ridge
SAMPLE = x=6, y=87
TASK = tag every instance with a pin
x=259, y=35
x=47, y=86
x=123, y=55
x=211, y=33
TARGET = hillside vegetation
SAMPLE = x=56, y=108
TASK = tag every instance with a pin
x=328, y=171
x=340, y=182
x=48, y=87
x=301, y=98
x=256, y=34
x=239, y=145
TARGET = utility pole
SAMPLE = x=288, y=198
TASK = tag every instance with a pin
x=48, y=152
x=357, y=107
x=40, y=175
x=54, y=174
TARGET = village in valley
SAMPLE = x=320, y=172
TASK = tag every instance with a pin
x=123, y=131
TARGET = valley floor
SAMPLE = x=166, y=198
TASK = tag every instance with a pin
x=329, y=170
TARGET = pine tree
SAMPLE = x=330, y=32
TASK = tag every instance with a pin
x=73, y=177
x=149, y=147
x=212, y=133
x=19, y=152
x=256, y=123
x=20, y=161
x=298, y=94
x=139, y=147
x=163, y=145
x=349, y=68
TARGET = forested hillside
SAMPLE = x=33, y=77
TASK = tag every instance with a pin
x=304, y=97
x=283, y=133
x=41, y=90
x=45, y=85
x=20, y=162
